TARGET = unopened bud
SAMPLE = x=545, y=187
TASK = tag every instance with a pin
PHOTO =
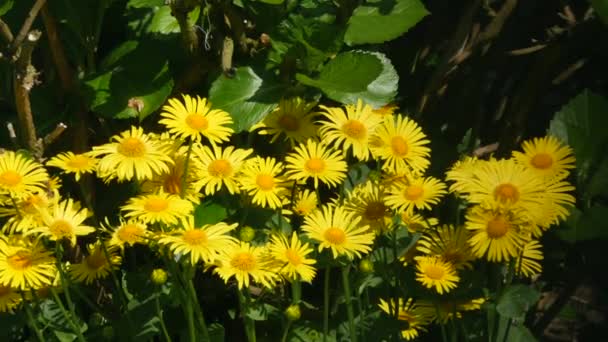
x=366, y=266
x=159, y=276
x=246, y=234
x=293, y=312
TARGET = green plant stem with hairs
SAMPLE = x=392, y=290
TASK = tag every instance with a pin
x=31, y=320
x=349, y=304
x=244, y=301
x=159, y=313
x=326, y=303
x=68, y=315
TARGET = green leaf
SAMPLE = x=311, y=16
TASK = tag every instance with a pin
x=246, y=96
x=516, y=300
x=216, y=332
x=209, y=213
x=272, y=2
x=163, y=22
x=145, y=3
x=354, y=75
x=382, y=20
x=6, y=6
x=601, y=8
x=583, y=226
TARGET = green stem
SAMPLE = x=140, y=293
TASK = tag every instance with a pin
x=444, y=336
x=159, y=313
x=31, y=320
x=198, y=310
x=182, y=190
x=190, y=320
x=296, y=291
x=349, y=304
x=286, y=331
x=187, y=304
x=67, y=315
x=249, y=324
x=326, y=304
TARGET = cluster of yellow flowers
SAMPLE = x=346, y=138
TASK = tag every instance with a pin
x=512, y=201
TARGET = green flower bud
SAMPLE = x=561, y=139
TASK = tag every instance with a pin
x=293, y=312
x=366, y=266
x=159, y=276
x=246, y=234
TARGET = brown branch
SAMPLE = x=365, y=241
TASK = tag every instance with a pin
x=66, y=75
x=49, y=138
x=5, y=32
x=528, y=50
x=27, y=25
x=570, y=70
x=496, y=25
x=180, y=11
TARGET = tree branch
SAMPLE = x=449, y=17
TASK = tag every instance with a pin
x=66, y=74
x=27, y=25
x=5, y=32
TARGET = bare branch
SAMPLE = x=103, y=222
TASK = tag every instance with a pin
x=5, y=32
x=49, y=138
x=528, y=50
x=66, y=75
x=27, y=25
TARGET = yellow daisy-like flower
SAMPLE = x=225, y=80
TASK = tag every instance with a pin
x=293, y=119
x=528, y=263
x=27, y=214
x=260, y=179
x=547, y=157
x=416, y=223
x=128, y=233
x=78, y=164
x=96, y=265
x=461, y=173
x=433, y=272
x=417, y=193
x=495, y=232
x=339, y=230
x=160, y=207
x=64, y=221
x=410, y=313
x=19, y=176
x=445, y=310
x=195, y=119
x=367, y=202
x=305, y=202
x=25, y=266
x=292, y=256
x=448, y=243
x=314, y=160
x=351, y=127
x=132, y=155
x=9, y=298
x=220, y=167
x=400, y=142
x=386, y=111
x=245, y=263
x=204, y=243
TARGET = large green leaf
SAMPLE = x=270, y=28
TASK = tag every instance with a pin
x=246, y=96
x=164, y=22
x=516, y=300
x=354, y=75
x=209, y=213
x=6, y=6
x=583, y=226
x=601, y=8
x=381, y=20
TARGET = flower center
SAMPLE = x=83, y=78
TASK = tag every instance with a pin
x=293, y=257
x=354, y=129
x=132, y=147
x=130, y=233
x=335, y=236
x=434, y=272
x=79, y=162
x=156, y=204
x=315, y=165
x=542, y=161
x=61, y=228
x=265, y=182
x=20, y=260
x=289, y=123
x=173, y=183
x=399, y=146
x=374, y=211
x=220, y=168
x=4, y=290
x=506, y=192
x=195, y=237
x=10, y=178
x=243, y=261
x=197, y=122
x=413, y=192
x=497, y=227
x=95, y=261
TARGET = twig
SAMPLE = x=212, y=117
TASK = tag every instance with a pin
x=49, y=138
x=27, y=25
x=5, y=32
x=570, y=70
x=11, y=134
x=189, y=35
x=528, y=50
x=496, y=25
x=57, y=51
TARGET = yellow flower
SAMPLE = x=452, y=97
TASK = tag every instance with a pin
x=528, y=263
x=409, y=312
x=387, y=110
x=19, y=176
x=546, y=157
x=351, y=127
x=305, y=202
x=9, y=298
x=64, y=221
x=195, y=119
x=316, y=161
x=400, y=142
x=448, y=243
x=367, y=202
x=158, y=276
x=339, y=230
x=133, y=155
x=220, y=167
x=416, y=223
x=417, y=193
x=444, y=311
x=27, y=214
x=127, y=233
x=292, y=256
x=293, y=119
x=25, y=266
x=78, y=164
x=96, y=265
x=160, y=207
x=433, y=272
x=461, y=173
x=495, y=232
x=260, y=179
x=204, y=243
x=246, y=263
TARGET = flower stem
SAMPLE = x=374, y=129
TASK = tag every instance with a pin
x=326, y=304
x=68, y=316
x=31, y=320
x=182, y=190
x=159, y=313
x=296, y=291
x=286, y=331
x=198, y=310
x=349, y=304
x=249, y=324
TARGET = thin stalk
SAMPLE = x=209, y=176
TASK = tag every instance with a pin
x=248, y=322
x=182, y=190
x=190, y=321
x=15, y=205
x=188, y=311
x=349, y=304
x=31, y=320
x=326, y=304
x=444, y=336
x=198, y=310
x=159, y=313
x=67, y=316
x=286, y=331
x=510, y=275
x=296, y=291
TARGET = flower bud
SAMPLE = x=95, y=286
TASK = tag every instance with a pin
x=246, y=234
x=366, y=266
x=293, y=312
x=159, y=276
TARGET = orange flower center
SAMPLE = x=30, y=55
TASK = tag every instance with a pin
x=506, y=192
x=399, y=146
x=243, y=261
x=195, y=237
x=79, y=162
x=497, y=227
x=374, y=211
x=315, y=165
x=354, y=129
x=20, y=260
x=130, y=233
x=335, y=236
x=288, y=123
x=10, y=178
x=61, y=228
x=197, y=122
x=4, y=290
x=434, y=272
x=96, y=261
x=413, y=192
x=265, y=182
x=542, y=161
x=220, y=168
x=156, y=204
x=132, y=147
x=293, y=257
